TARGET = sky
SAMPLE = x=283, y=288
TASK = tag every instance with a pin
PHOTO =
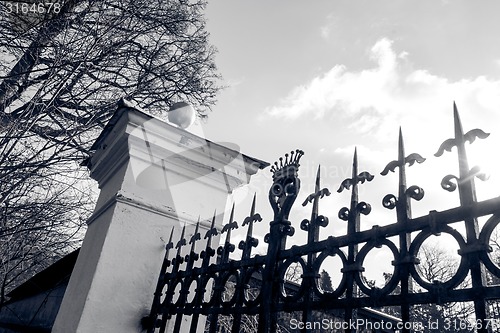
x=329, y=76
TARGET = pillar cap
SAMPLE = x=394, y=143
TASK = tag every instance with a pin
x=125, y=106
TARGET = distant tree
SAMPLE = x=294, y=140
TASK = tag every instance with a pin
x=494, y=305
x=61, y=74
x=293, y=274
x=325, y=282
x=438, y=264
x=35, y=229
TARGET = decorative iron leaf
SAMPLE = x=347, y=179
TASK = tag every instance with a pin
x=391, y=166
x=346, y=184
x=304, y=225
x=475, y=172
x=365, y=176
x=194, y=238
x=254, y=242
x=344, y=213
x=192, y=256
x=253, y=218
x=180, y=243
x=309, y=199
x=412, y=158
x=472, y=135
x=211, y=232
x=482, y=176
x=389, y=201
x=361, y=178
x=415, y=192
x=446, y=145
x=266, y=238
x=206, y=254
x=364, y=208
x=322, y=221
x=226, y=247
x=319, y=194
x=447, y=184
x=289, y=230
x=230, y=226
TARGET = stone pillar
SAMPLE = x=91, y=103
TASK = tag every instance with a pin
x=152, y=176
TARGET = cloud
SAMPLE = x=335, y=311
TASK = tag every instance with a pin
x=365, y=108
x=325, y=32
x=387, y=94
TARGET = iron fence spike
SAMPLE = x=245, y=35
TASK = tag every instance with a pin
x=252, y=210
x=474, y=249
x=317, y=188
x=181, y=241
x=196, y=235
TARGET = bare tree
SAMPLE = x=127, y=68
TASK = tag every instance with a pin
x=438, y=264
x=41, y=220
x=68, y=69
x=325, y=282
x=63, y=71
x=494, y=242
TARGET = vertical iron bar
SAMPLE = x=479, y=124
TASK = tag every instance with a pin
x=282, y=195
x=250, y=241
x=159, y=286
x=467, y=193
x=312, y=237
x=403, y=211
x=177, y=261
x=227, y=248
x=224, y=253
x=189, y=259
x=268, y=319
x=353, y=226
x=203, y=278
x=246, y=247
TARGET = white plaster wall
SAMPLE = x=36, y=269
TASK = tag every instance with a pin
x=149, y=182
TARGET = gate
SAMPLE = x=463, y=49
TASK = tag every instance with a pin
x=256, y=290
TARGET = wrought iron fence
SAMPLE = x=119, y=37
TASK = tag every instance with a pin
x=256, y=287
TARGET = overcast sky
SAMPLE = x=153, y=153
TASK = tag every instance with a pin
x=326, y=76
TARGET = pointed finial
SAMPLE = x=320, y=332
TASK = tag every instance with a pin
x=169, y=243
x=317, y=188
x=194, y=238
x=355, y=164
x=231, y=216
x=212, y=231
x=181, y=241
x=459, y=132
x=213, y=218
x=252, y=210
x=212, y=225
x=229, y=226
x=401, y=143
x=401, y=149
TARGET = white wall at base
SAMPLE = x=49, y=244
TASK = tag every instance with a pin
x=152, y=177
